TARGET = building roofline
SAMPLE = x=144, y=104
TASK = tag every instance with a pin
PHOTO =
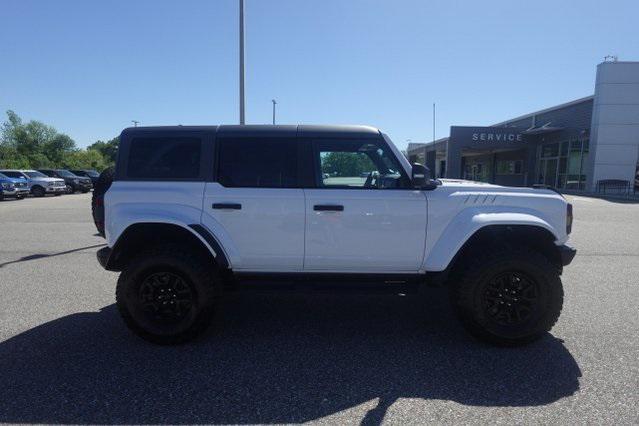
x=543, y=111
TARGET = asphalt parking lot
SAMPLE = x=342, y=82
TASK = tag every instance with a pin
x=65, y=356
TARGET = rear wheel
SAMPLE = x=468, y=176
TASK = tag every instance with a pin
x=508, y=296
x=38, y=191
x=167, y=295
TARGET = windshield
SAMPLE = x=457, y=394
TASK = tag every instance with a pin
x=92, y=173
x=3, y=176
x=13, y=174
x=65, y=173
x=35, y=174
x=400, y=157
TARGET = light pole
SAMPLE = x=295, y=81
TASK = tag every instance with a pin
x=242, y=121
x=135, y=123
x=274, y=103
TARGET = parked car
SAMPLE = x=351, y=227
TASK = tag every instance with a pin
x=38, y=183
x=20, y=185
x=91, y=174
x=195, y=211
x=74, y=183
x=7, y=190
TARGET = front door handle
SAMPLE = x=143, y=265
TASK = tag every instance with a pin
x=328, y=208
x=227, y=206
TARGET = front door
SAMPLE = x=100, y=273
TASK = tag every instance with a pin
x=256, y=207
x=548, y=171
x=363, y=215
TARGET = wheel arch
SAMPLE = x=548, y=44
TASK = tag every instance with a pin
x=138, y=236
x=442, y=248
x=487, y=237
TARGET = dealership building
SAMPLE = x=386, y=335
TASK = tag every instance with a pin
x=577, y=145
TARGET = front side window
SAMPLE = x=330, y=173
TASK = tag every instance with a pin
x=164, y=158
x=358, y=165
x=249, y=162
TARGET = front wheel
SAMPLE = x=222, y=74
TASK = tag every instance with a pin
x=508, y=296
x=38, y=191
x=167, y=295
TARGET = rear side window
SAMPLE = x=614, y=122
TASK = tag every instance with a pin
x=164, y=158
x=257, y=163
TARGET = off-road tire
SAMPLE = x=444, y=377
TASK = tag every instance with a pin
x=38, y=191
x=198, y=273
x=469, y=292
x=101, y=186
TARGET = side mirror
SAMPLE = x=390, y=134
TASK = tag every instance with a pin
x=421, y=177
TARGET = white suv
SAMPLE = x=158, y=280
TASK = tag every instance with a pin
x=193, y=211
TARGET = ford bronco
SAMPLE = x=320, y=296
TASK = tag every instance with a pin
x=195, y=211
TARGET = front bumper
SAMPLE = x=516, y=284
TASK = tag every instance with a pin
x=567, y=254
x=56, y=189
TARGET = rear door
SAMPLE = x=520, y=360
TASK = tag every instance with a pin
x=362, y=215
x=254, y=205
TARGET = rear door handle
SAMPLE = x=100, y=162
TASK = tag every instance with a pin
x=227, y=206
x=328, y=208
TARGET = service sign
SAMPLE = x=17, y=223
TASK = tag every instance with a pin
x=492, y=137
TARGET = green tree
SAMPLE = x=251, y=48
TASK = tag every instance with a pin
x=345, y=164
x=35, y=144
x=85, y=159
x=108, y=149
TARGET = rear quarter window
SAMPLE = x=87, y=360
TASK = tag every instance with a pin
x=164, y=158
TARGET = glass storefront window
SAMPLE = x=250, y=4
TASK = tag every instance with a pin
x=550, y=150
x=562, y=165
x=509, y=167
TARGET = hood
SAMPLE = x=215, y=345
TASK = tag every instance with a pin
x=461, y=183
x=472, y=186
x=15, y=180
x=47, y=179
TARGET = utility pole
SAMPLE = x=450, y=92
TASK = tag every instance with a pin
x=433, y=121
x=135, y=123
x=242, y=120
x=274, y=103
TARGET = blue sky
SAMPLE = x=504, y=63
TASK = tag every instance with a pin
x=89, y=67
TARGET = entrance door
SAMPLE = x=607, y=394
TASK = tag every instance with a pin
x=548, y=171
x=363, y=216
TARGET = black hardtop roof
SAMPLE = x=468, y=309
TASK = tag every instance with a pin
x=318, y=131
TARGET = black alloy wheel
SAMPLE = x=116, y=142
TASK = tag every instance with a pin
x=166, y=297
x=510, y=298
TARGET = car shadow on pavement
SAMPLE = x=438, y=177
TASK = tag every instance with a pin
x=272, y=359
x=43, y=255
